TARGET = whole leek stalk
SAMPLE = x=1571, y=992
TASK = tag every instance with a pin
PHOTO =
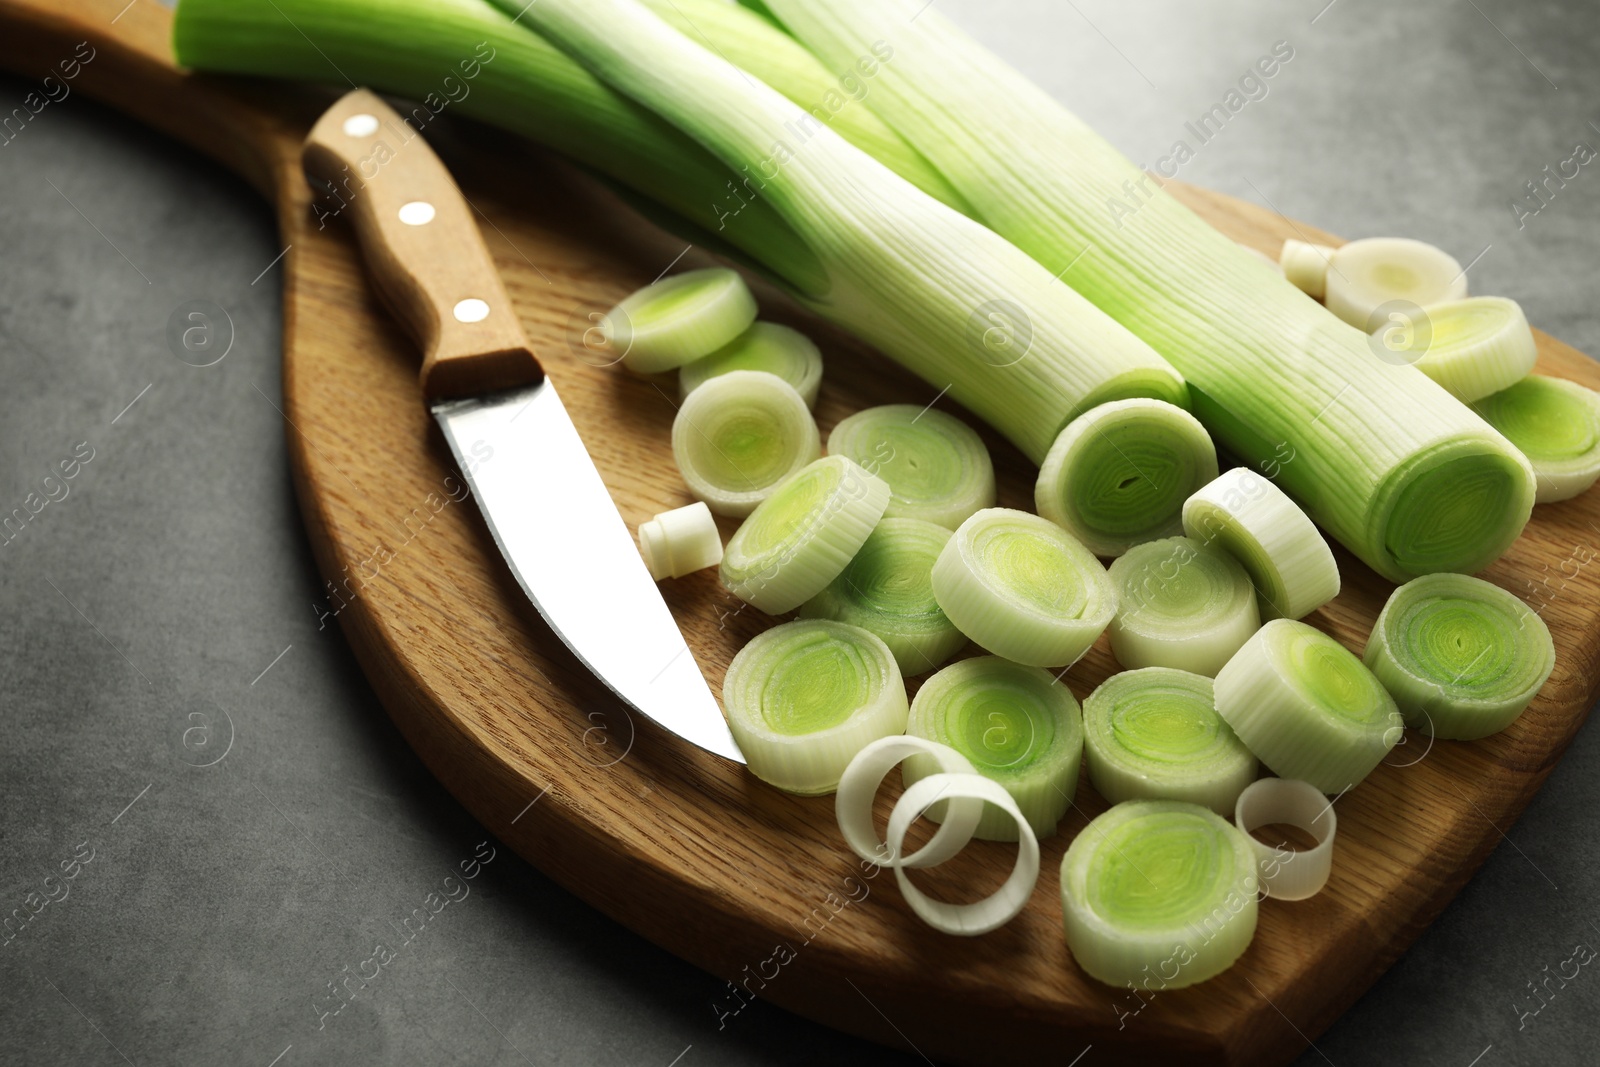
x=1385, y=460
x=857, y=243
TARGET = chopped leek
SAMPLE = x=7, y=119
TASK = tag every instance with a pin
x=1306, y=266
x=1366, y=275
x=1253, y=520
x=765, y=346
x=1461, y=657
x=1556, y=424
x=1306, y=706
x=804, y=697
x=679, y=319
x=1181, y=604
x=1001, y=906
x=859, y=785
x=1477, y=346
x=1289, y=874
x=680, y=541
x=1154, y=734
x=1017, y=725
x=739, y=436
x=1158, y=894
x=888, y=589
x=1023, y=588
x=935, y=464
x=1119, y=474
x=1384, y=460
x=798, y=539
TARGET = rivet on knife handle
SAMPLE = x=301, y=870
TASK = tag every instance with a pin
x=422, y=248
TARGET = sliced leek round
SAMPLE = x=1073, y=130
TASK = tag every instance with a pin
x=935, y=464
x=1477, y=346
x=1023, y=588
x=1462, y=658
x=1307, y=707
x=1001, y=906
x=1284, y=873
x=1154, y=734
x=800, y=538
x=1365, y=275
x=1306, y=266
x=738, y=437
x=1119, y=473
x=888, y=589
x=1159, y=894
x=1556, y=424
x=1256, y=523
x=1017, y=725
x=804, y=697
x=680, y=541
x=766, y=346
x=859, y=784
x=1181, y=604
x=679, y=319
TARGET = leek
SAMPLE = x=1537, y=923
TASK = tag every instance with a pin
x=1285, y=874
x=1461, y=657
x=1181, y=604
x=935, y=464
x=804, y=697
x=1119, y=474
x=1253, y=520
x=1374, y=277
x=1158, y=894
x=1556, y=423
x=1384, y=459
x=1016, y=725
x=1306, y=266
x=741, y=435
x=765, y=346
x=1477, y=346
x=1023, y=588
x=1307, y=707
x=888, y=589
x=859, y=785
x=1154, y=734
x=679, y=319
x=680, y=542
x=798, y=540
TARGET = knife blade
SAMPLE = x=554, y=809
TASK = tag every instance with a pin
x=536, y=485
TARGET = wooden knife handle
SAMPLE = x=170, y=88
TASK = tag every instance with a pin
x=424, y=253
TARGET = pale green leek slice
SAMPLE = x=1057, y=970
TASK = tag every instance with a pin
x=739, y=437
x=798, y=540
x=1023, y=588
x=1476, y=346
x=935, y=464
x=765, y=346
x=1284, y=873
x=679, y=319
x=1369, y=278
x=1119, y=474
x=1306, y=706
x=1154, y=734
x=804, y=697
x=1384, y=460
x=1462, y=658
x=1556, y=424
x=680, y=542
x=1158, y=894
x=1017, y=725
x=888, y=589
x=1251, y=519
x=1181, y=604
x=1306, y=266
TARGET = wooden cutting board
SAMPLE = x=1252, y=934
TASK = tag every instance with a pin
x=748, y=883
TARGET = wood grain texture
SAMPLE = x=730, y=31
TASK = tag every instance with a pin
x=678, y=845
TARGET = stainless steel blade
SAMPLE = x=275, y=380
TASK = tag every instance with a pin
x=558, y=529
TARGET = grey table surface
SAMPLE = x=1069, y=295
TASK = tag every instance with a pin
x=159, y=615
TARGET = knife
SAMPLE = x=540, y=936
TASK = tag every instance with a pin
x=540, y=494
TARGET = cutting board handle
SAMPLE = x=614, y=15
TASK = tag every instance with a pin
x=422, y=247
